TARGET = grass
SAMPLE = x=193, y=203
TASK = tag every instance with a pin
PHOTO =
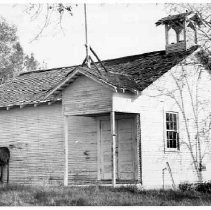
x=17, y=195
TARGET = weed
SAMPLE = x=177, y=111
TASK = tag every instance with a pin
x=18, y=195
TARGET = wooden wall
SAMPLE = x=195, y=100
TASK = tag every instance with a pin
x=35, y=138
x=153, y=105
x=177, y=47
x=87, y=155
x=82, y=157
x=86, y=96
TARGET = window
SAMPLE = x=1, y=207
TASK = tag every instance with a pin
x=172, y=135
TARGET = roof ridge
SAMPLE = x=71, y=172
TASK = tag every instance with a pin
x=130, y=56
x=106, y=60
x=43, y=70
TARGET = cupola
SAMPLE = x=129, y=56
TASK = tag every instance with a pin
x=180, y=31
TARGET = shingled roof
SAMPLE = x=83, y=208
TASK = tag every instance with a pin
x=147, y=67
x=180, y=18
x=132, y=73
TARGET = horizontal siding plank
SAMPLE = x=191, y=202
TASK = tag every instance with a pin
x=85, y=96
x=82, y=158
x=35, y=136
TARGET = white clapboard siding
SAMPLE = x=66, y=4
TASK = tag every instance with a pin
x=153, y=151
x=86, y=96
x=35, y=136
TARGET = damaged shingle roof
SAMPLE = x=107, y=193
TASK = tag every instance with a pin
x=132, y=72
x=180, y=18
x=147, y=67
x=31, y=87
x=170, y=18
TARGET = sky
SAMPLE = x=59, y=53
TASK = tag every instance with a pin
x=114, y=30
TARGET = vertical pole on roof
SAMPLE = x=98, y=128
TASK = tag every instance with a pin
x=113, y=133
x=86, y=38
x=66, y=150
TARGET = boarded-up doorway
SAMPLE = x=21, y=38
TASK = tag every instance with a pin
x=125, y=147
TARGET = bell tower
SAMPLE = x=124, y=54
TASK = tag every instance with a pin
x=180, y=31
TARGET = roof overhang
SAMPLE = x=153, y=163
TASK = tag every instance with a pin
x=33, y=103
x=180, y=18
x=82, y=71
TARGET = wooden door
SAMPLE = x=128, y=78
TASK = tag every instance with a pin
x=124, y=147
x=126, y=151
x=105, y=151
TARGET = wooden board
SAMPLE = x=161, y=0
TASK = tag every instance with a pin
x=106, y=149
x=35, y=136
x=85, y=96
x=125, y=156
x=82, y=149
x=126, y=143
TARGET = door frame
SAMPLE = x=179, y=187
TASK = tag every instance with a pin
x=99, y=144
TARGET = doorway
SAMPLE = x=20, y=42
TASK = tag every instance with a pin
x=125, y=148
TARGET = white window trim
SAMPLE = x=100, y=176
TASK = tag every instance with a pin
x=166, y=149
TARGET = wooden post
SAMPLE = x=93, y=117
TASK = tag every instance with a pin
x=98, y=151
x=177, y=35
x=113, y=133
x=163, y=176
x=167, y=35
x=138, y=145
x=8, y=175
x=172, y=179
x=66, y=150
x=185, y=33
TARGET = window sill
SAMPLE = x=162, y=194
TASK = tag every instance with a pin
x=168, y=150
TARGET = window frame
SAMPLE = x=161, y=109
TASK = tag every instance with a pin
x=177, y=131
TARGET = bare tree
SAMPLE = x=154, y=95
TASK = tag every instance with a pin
x=49, y=14
x=204, y=13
